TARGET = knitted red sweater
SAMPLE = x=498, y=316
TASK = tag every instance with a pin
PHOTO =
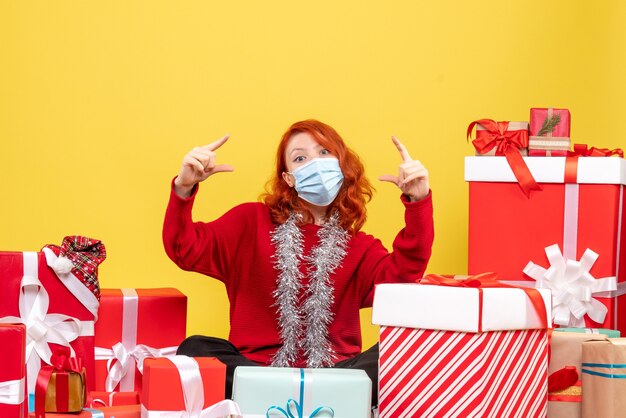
x=236, y=249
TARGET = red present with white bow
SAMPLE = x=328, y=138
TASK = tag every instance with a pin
x=13, y=399
x=567, y=237
x=136, y=324
x=462, y=351
x=55, y=296
x=185, y=387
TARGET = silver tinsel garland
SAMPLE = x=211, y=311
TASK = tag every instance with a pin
x=306, y=327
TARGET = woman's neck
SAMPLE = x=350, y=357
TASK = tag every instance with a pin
x=318, y=212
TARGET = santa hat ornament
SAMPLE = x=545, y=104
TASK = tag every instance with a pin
x=81, y=256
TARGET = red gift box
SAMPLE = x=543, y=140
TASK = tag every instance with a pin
x=580, y=208
x=100, y=399
x=58, y=309
x=181, y=383
x=13, y=399
x=462, y=351
x=122, y=411
x=547, y=138
x=136, y=324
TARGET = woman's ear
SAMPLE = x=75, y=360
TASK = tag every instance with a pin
x=289, y=179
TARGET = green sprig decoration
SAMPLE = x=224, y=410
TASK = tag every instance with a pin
x=549, y=124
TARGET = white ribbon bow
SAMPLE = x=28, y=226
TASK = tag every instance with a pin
x=572, y=287
x=193, y=394
x=120, y=361
x=12, y=392
x=42, y=328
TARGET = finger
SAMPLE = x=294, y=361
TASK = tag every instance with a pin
x=416, y=175
x=215, y=145
x=389, y=178
x=193, y=163
x=406, y=157
x=223, y=168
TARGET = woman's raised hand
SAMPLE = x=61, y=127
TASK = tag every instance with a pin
x=198, y=165
x=412, y=177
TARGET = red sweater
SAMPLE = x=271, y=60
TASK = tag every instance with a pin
x=236, y=249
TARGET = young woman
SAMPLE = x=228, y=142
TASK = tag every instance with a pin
x=297, y=267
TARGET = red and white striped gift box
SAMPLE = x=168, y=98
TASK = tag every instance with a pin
x=460, y=352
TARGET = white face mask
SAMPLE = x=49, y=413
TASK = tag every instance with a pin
x=319, y=181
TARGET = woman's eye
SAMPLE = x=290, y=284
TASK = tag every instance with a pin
x=298, y=159
x=324, y=152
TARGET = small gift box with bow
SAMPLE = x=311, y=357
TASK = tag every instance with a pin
x=471, y=347
x=55, y=293
x=549, y=132
x=99, y=399
x=282, y=392
x=604, y=378
x=136, y=324
x=184, y=386
x=61, y=387
x=565, y=379
x=566, y=238
x=121, y=411
x=13, y=402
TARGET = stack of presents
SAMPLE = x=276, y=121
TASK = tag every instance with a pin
x=532, y=331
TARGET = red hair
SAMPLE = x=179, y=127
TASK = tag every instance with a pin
x=355, y=192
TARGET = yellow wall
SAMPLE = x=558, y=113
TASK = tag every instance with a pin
x=99, y=101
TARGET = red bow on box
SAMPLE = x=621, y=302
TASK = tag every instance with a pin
x=507, y=143
x=62, y=365
x=583, y=150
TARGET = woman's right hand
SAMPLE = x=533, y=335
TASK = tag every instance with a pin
x=198, y=165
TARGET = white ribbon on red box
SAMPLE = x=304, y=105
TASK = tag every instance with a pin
x=124, y=355
x=193, y=394
x=42, y=327
x=12, y=392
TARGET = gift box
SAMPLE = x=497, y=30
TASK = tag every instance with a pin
x=100, y=399
x=462, y=351
x=268, y=391
x=61, y=387
x=13, y=402
x=611, y=333
x=136, y=324
x=181, y=384
x=55, y=293
x=566, y=237
x=549, y=132
x=122, y=411
x=565, y=394
x=604, y=378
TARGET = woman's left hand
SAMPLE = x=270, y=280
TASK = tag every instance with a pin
x=412, y=177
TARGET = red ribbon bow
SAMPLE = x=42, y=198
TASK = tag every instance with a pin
x=488, y=280
x=583, y=150
x=62, y=364
x=562, y=379
x=507, y=143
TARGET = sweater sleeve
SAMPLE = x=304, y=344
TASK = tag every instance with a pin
x=407, y=262
x=203, y=247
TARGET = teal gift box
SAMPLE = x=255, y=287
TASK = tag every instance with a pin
x=278, y=392
x=611, y=333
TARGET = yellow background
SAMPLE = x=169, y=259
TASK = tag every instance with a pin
x=99, y=101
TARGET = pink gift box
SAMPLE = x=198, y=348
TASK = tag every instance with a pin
x=13, y=400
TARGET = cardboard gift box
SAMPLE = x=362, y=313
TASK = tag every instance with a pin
x=100, y=399
x=462, y=351
x=566, y=350
x=122, y=411
x=13, y=399
x=566, y=237
x=136, y=324
x=185, y=386
x=604, y=378
x=549, y=132
x=48, y=293
x=268, y=391
x=61, y=387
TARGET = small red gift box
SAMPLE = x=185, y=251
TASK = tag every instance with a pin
x=136, y=324
x=61, y=387
x=549, y=132
x=13, y=399
x=100, y=399
x=172, y=384
x=573, y=228
x=58, y=308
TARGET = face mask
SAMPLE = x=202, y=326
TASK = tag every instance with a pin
x=318, y=182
